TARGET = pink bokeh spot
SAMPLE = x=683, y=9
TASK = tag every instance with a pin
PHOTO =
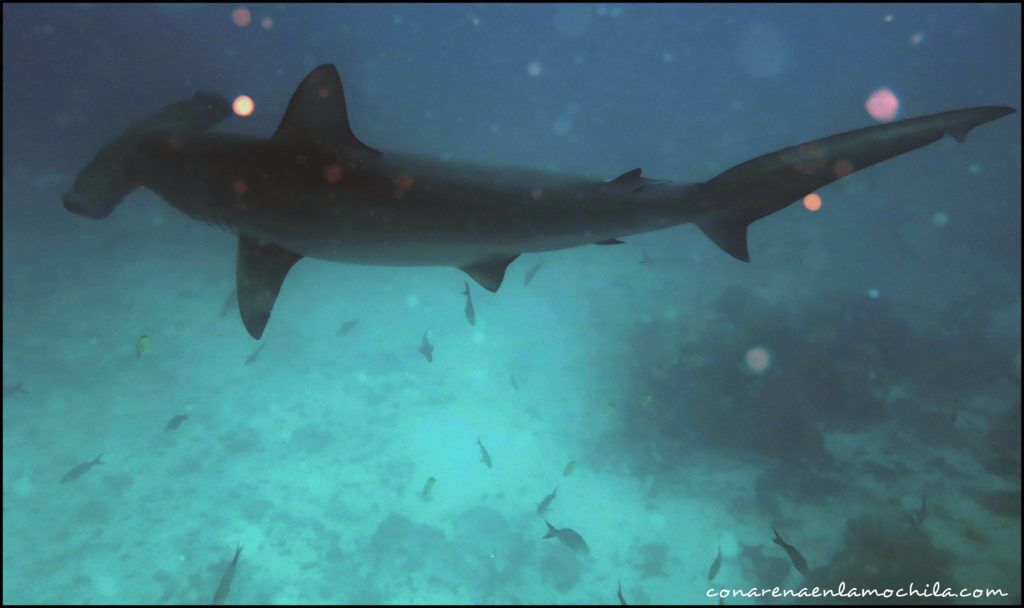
x=883, y=105
x=758, y=359
x=241, y=16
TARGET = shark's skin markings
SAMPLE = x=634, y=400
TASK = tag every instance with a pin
x=314, y=190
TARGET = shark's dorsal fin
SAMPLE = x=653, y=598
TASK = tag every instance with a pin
x=317, y=114
x=261, y=270
x=489, y=273
x=729, y=235
x=630, y=175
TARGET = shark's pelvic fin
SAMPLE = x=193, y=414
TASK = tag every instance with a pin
x=490, y=273
x=261, y=270
x=317, y=115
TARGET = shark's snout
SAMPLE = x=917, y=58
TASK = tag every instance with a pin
x=78, y=204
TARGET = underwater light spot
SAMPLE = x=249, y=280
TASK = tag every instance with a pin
x=873, y=293
x=332, y=173
x=241, y=16
x=267, y=23
x=239, y=187
x=882, y=105
x=243, y=105
x=940, y=219
x=537, y=194
x=533, y=69
x=758, y=359
x=812, y=202
x=917, y=39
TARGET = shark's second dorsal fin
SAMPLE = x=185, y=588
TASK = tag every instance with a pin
x=630, y=175
x=317, y=114
x=489, y=273
x=261, y=271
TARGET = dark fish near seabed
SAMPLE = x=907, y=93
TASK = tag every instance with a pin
x=425, y=494
x=255, y=353
x=569, y=468
x=470, y=313
x=17, y=389
x=427, y=348
x=715, y=565
x=141, y=345
x=175, y=422
x=921, y=514
x=229, y=303
x=347, y=327
x=568, y=537
x=622, y=600
x=542, y=507
x=515, y=384
x=224, y=588
x=80, y=470
x=794, y=556
x=484, y=456
x=645, y=259
x=531, y=273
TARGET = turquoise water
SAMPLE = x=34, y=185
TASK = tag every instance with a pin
x=856, y=386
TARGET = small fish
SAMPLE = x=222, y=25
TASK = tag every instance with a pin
x=427, y=348
x=80, y=470
x=531, y=273
x=484, y=456
x=568, y=537
x=543, y=505
x=17, y=389
x=252, y=356
x=622, y=600
x=515, y=384
x=645, y=259
x=224, y=588
x=470, y=313
x=569, y=468
x=794, y=556
x=427, y=487
x=175, y=422
x=229, y=303
x=715, y=565
x=921, y=513
x=347, y=327
x=141, y=345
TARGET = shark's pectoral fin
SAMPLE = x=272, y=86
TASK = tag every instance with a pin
x=610, y=242
x=261, y=270
x=317, y=115
x=489, y=273
x=729, y=235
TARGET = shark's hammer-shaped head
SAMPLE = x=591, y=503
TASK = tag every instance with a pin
x=106, y=180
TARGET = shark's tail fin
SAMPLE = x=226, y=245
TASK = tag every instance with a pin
x=766, y=184
x=102, y=184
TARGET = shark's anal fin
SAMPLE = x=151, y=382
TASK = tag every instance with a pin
x=261, y=271
x=317, y=115
x=489, y=273
x=729, y=235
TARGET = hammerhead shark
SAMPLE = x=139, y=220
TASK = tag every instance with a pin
x=315, y=190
